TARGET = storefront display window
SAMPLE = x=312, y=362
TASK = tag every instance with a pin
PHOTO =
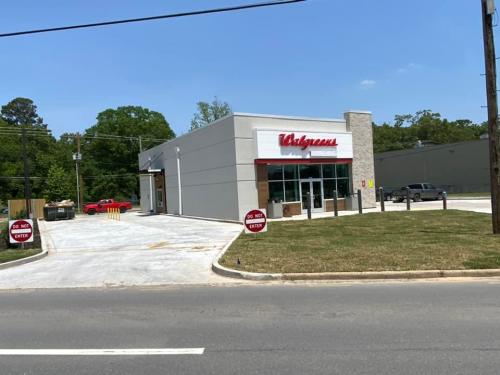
x=292, y=191
x=342, y=170
x=274, y=172
x=328, y=187
x=328, y=170
x=276, y=191
x=343, y=187
x=310, y=171
x=291, y=172
x=284, y=180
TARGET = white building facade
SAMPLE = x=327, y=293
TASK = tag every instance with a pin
x=244, y=161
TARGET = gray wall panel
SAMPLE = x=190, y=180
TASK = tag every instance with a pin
x=208, y=171
x=457, y=167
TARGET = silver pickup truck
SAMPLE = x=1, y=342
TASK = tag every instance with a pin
x=418, y=192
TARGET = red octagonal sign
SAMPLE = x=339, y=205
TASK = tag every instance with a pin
x=255, y=221
x=21, y=231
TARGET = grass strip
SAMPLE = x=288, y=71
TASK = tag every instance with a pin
x=390, y=241
x=15, y=254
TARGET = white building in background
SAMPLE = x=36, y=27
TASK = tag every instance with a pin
x=243, y=161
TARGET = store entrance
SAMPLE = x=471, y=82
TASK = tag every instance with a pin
x=314, y=187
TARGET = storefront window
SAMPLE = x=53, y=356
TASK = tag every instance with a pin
x=284, y=180
x=292, y=191
x=310, y=171
x=275, y=172
x=276, y=191
x=328, y=170
x=328, y=188
x=342, y=170
x=343, y=187
x=291, y=172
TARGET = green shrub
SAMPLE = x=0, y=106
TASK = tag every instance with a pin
x=4, y=235
x=19, y=215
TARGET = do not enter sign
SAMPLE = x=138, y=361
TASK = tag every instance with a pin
x=255, y=221
x=21, y=231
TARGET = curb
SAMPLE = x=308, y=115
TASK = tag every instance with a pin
x=383, y=275
x=46, y=246
x=235, y=274
x=205, y=219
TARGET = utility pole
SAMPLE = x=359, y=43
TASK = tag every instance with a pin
x=488, y=10
x=27, y=186
x=77, y=158
x=140, y=144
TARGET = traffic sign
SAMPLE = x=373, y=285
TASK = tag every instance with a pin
x=21, y=231
x=255, y=221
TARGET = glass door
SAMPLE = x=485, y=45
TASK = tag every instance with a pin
x=314, y=187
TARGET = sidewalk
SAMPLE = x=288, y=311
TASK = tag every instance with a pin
x=475, y=205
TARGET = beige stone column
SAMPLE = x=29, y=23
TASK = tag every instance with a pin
x=363, y=171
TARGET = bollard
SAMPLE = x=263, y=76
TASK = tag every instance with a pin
x=382, y=199
x=445, y=200
x=408, y=199
x=335, y=203
x=309, y=205
x=360, y=202
x=113, y=213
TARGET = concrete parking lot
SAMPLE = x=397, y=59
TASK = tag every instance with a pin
x=95, y=251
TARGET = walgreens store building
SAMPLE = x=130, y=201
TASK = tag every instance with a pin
x=244, y=161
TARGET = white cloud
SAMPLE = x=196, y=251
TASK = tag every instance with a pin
x=368, y=83
x=408, y=67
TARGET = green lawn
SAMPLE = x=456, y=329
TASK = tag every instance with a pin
x=15, y=254
x=396, y=241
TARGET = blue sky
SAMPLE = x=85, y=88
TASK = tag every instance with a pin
x=317, y=58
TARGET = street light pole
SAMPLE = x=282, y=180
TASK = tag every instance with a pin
x=488, y=10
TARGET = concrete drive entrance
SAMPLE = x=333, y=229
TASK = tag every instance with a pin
x=94, y=251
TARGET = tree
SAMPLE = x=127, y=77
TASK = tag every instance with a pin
x=22, y=112
x=58, y=185
x=42, y=150
x=209, y=112
x=110, y=150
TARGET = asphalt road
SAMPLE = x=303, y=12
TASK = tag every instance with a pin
x=383, y=328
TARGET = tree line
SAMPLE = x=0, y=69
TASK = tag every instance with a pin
x=424, y=126
x=109, y=148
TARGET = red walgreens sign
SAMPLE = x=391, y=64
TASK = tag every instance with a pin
x=255, y=221
x=289, y=140
x=21, y=231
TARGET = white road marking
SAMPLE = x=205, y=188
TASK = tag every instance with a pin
x=100, y=352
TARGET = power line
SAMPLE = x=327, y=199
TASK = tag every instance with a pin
x=143, y=19
x=125, y=175
x=20, y=131
x=108, y=137
x=29, y=135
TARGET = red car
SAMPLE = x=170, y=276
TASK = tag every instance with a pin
x=103, y=205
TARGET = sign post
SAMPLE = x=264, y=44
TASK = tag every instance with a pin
x=255, y=221
x=21, y=231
